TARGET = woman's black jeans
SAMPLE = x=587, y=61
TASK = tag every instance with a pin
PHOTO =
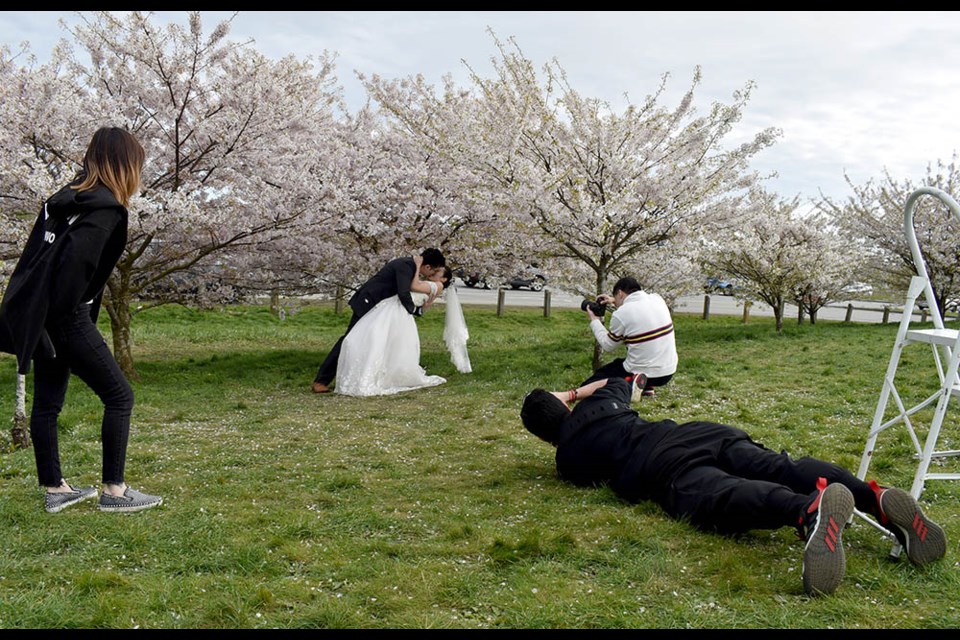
x=82, y=350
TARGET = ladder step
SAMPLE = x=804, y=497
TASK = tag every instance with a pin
x=945, y=337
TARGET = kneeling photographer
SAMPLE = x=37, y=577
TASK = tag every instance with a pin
x=643, y=323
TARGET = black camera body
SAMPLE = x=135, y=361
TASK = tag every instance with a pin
x=597, y=307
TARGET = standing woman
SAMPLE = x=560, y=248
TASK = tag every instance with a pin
x=50, y=309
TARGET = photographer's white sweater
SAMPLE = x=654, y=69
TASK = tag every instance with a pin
x=644, y=324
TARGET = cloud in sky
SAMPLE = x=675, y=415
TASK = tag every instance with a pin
x=853, y=92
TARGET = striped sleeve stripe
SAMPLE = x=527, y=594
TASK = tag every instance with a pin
x=650, y=335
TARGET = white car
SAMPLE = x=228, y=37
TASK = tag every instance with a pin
x=858, y=289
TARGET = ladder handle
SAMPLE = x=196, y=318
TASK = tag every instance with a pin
x=911, y=235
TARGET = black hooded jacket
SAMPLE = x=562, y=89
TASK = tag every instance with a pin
x=74, y=246
x=604, y=441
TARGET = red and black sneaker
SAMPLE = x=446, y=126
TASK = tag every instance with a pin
x=922, y=538
x=824, y=521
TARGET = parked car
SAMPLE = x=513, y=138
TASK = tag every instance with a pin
x=857, y=289
x=951, y=305
x=720, y=286
x=532, y=279
x=472, y=280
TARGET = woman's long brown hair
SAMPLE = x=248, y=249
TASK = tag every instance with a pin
x=114, y=159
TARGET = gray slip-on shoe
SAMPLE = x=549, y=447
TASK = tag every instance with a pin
x=54, y=502
x=131, y=501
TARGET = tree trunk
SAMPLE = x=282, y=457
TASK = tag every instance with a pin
x=338, y=300
x=20, y=433
x=597, y=354
x=118, y=307
x=601, y=289
x=778, y=315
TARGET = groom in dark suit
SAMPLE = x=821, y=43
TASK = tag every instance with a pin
x=393, y=279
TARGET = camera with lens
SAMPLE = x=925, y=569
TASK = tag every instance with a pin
x=597, y=307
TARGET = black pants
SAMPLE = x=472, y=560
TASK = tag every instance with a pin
x=328, y=368
x=743, y=485
x=615, y=369
x=82, y=350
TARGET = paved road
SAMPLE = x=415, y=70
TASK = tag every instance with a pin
x=863, y=311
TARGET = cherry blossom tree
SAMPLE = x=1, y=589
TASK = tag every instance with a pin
x=394, y=197
x=569, y=177
x=832, y=263
x=873, y=217
x=782, y=254
x=382, y=197
x=25, y=162
x=30, y=168
x=224, y=129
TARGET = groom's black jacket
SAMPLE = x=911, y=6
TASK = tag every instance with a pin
x=393, y=279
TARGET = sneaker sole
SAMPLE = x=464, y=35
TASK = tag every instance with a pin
x=824, y=562
x=129, y=509
x=926, y=540
x=63, y=506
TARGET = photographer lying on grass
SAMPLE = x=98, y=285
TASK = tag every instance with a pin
x=718, y=479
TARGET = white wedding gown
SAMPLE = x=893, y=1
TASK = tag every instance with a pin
x=381, y=353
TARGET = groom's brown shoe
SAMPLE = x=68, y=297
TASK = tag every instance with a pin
x=319, y=387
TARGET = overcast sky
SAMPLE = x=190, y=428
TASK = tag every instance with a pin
x=853, y=92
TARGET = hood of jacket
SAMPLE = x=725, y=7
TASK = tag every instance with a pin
x=70, y=202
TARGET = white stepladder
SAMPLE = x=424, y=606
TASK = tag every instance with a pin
x=945, y=344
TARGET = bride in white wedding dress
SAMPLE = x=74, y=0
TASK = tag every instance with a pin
x=381, y=353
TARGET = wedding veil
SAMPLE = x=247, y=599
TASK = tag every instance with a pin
x=455, y=332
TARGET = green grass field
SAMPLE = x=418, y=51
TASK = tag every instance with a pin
x=435, y=508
